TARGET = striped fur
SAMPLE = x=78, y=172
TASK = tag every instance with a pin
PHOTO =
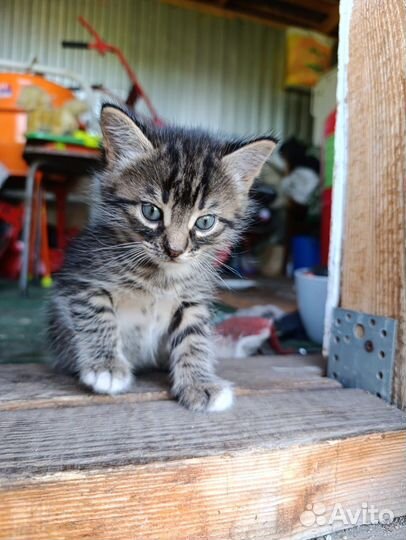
x=134, y=293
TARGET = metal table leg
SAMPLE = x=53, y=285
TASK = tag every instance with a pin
x=29, y=191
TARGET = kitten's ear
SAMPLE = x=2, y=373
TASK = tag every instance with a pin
x=121, y=136
x=246, y=162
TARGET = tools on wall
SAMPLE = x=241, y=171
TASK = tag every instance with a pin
x=99, y=45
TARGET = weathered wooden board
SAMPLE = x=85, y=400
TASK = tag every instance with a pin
x=256, y=495
x=35, y=386
x=374, y=263
x=146, y=468
x=319, y=15
x=45, y=440
x=153, y=470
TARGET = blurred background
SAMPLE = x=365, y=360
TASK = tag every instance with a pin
x=235, y=66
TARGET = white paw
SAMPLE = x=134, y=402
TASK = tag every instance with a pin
x=211, y=396
x=222, y=401
x=107, y=382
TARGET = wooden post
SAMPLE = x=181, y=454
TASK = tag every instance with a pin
x=373, y=275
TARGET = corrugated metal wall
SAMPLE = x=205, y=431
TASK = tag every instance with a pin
x=198, y=69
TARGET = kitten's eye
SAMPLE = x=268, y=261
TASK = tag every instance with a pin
x=151, y=212
x=205, y=223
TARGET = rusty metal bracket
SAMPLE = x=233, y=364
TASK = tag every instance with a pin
x=362, y=351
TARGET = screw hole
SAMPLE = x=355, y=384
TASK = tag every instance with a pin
x=359, y=331
x=346, y=339
x=378, y=395
x=336, y=357
x=369, y=346
x=384, y=333
x=338, y=322
x=348, y=316
x=382, y=354
x=337, y=339
x=372, y=322
x=335, y=375
x=379, y=375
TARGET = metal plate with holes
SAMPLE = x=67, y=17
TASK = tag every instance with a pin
x=362, y=351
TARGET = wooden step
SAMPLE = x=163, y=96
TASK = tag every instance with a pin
x=148, y=469
x=39, y=387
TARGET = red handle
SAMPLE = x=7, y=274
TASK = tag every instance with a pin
x=102, y=48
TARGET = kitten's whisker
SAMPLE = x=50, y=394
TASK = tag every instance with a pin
x=129, y=252
x=223, y=264
x=134, y=262
x=205, y=266
x=123, y=257
x=130, y=257
x=127, y=245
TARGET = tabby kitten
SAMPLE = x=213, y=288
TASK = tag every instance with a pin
x=135, y=287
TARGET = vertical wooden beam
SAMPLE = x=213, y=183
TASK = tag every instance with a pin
x=373, y=269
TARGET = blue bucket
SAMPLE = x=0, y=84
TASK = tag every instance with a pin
x=306, y=252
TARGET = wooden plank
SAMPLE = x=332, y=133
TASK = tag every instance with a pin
x=374, y=263
x=36, y=440
x=299, y=12
x=156, y=471
x=318, y=6
x=36, y=386
x=259, y=496
x=293, y=15
x=218, y=11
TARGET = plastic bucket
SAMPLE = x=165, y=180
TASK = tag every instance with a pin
x=306, y=252
x=311, y=293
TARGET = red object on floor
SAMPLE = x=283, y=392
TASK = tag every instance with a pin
x=237, y=327
x=276, y=344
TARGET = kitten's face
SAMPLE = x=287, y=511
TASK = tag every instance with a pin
x=180, y=194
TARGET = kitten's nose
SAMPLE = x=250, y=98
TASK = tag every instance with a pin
x=173, y=252
x=174, y=243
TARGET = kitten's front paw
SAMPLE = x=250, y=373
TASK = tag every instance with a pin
x=105, y=381
x=211, y=397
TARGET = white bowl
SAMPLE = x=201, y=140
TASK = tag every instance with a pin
x=311, y=293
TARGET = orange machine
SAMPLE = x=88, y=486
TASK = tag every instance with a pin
x=13, y=122
x=13, y=119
